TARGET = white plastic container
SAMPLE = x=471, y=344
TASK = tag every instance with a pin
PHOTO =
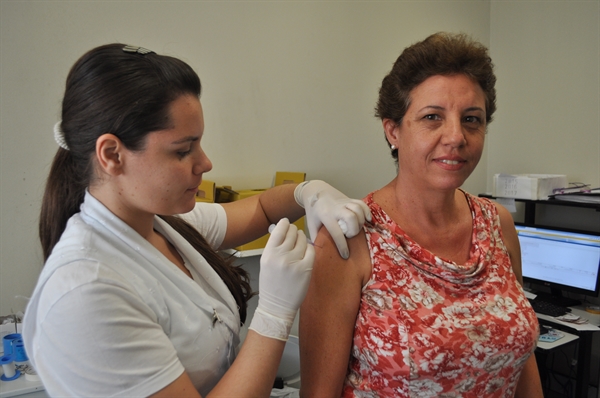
x=527, y=186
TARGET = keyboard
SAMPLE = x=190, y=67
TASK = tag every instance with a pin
x=547, y=308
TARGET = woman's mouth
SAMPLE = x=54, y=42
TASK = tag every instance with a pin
x=451, y=164
x=448, y=161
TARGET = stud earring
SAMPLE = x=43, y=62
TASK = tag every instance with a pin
x=393, y=147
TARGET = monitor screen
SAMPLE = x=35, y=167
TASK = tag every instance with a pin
x=561, y=259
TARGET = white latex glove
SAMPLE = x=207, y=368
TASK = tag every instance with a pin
x=285, y=269
x=327, y=206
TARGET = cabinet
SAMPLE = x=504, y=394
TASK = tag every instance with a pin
x=531, y=208
x=587, y=218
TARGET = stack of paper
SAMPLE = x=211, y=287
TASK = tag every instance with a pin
x=584, y=196
x=572, y=318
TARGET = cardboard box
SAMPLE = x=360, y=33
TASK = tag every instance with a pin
x=287, y=177
x=206, y=191
x=527, y=186
x=224, y=194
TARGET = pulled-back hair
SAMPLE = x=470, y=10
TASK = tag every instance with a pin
x=127, y=94
x=443, y=54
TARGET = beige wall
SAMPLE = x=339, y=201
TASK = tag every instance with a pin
x=288, y=86
x=547, y=56
x=291, y=85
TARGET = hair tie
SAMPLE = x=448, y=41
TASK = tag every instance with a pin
x=59, y=136
x=138, y=50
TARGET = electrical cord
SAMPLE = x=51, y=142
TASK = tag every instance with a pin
x=567, y=385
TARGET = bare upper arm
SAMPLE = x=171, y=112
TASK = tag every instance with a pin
x=249, y=218
x=246, y=221
x=328, y=314
x=511, y=240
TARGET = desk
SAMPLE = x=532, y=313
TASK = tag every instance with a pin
x=584, y=351
x=567, y=338
x=22, y=388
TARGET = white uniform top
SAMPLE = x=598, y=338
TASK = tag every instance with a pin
x=111, y=316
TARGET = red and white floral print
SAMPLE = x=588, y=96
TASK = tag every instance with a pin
x=428, y=327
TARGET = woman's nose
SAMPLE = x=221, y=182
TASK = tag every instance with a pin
x=203, y=164
x=454, y=133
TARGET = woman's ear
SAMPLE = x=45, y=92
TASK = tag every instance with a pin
x=109, y=154
x=391, y=131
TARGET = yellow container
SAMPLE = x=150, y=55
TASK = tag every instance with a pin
x=206, y=192
x=287, y=177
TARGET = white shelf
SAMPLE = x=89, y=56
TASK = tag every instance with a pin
x=243, y=253
x=22, y=387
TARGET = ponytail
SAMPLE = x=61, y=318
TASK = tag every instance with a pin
x=64, y=193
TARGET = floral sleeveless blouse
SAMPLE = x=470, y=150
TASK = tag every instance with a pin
x=428, y=327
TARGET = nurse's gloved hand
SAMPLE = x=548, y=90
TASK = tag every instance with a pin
x=285, y=268
x=343, y=217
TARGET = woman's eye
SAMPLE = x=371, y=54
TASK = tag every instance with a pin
x=432, y=117
x=472, y=119
x=183, y=154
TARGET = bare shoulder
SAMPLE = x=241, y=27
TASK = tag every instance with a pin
x=329, y=262
x=511, y=240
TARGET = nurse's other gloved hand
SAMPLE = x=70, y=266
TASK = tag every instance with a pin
x=285, y=268
x=343, y=217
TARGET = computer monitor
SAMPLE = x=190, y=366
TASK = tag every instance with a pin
x=563, y=260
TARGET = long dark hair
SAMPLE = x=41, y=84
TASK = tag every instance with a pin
x=126, y=93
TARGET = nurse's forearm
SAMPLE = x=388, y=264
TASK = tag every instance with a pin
x=254, y=370
x=251, y=375
x=279, y=202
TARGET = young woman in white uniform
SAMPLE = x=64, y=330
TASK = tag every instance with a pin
x=133, y=300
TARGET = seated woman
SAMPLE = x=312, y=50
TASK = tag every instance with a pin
x=429, y=303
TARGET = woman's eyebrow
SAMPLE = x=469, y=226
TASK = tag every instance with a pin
x=190, y=138
x=474, y=108
x=438, y=107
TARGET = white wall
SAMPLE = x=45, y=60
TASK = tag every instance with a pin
x=288, y=86
x=291, y=86
x=547, y=57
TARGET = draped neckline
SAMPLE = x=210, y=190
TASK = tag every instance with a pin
x=402, y=246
